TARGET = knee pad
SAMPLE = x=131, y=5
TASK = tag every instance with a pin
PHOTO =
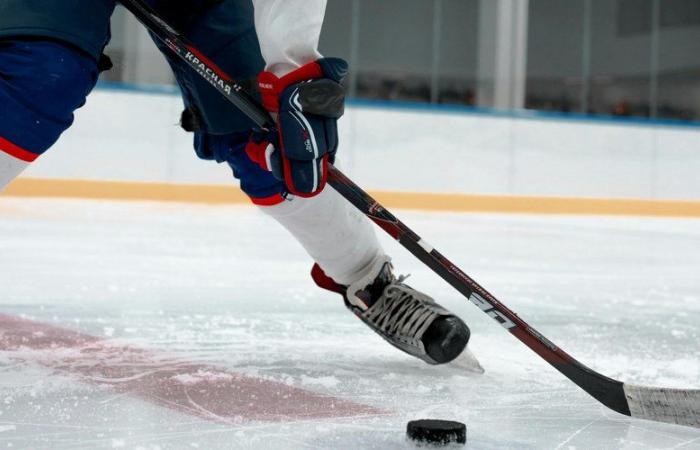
x=42, y=83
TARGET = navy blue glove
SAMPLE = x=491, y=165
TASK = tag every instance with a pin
x=306, y=105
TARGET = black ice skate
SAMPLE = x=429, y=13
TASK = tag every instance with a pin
x=406, y=318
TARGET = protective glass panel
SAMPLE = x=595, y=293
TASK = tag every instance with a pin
x=555, y=55
x=679, y=60
x=458, y=36
x=620, y=71
x=337, y=30
x=395, y=49
x=116, y=50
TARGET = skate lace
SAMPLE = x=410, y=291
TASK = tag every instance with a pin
x=402, y=311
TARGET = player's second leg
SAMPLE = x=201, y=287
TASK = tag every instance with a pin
x=350, y=261
x=407, y=318
x=335, y=235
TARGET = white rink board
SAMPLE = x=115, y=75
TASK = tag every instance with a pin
x=133, y=136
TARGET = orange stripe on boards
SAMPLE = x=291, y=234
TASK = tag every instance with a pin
x=117, y=190
x=223, y=194
x=539, y=205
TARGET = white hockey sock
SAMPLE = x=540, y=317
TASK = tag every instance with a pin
x=335, y=234
x=10, y=168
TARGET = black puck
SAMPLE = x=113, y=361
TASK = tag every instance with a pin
x=441, y=432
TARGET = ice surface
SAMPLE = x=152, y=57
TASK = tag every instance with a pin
x=142, y=321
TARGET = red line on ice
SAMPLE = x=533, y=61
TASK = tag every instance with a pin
x=201, y=390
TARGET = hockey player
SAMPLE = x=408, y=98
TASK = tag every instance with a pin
x=50, y=59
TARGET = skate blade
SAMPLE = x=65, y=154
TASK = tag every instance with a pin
x=467, y=361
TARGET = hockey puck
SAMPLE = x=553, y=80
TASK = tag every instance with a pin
x=438, y=432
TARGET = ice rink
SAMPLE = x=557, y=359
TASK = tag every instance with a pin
x=158, y=326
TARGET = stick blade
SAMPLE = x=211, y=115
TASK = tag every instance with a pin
x=676, y=406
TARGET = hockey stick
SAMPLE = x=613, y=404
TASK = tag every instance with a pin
x=677, y=406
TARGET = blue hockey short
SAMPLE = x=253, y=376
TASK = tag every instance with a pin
x=43, y=81
x=41, y=84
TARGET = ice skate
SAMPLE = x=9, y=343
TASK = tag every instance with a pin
x=403, y=316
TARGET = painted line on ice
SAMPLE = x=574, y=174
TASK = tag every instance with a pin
x=221, y=194
x=200, y=390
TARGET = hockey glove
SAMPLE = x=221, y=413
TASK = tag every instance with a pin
x=306, y=104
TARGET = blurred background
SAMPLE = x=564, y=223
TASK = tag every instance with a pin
x=637, y=58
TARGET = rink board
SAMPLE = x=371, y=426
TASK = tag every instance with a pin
x=453, y=157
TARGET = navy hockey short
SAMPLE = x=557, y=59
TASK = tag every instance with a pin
x=43, y=81
x=41, y=84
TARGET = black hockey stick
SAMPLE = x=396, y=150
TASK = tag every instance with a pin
x=677, y=406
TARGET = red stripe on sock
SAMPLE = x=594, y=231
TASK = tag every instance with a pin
x=197, y=389
x=268, y=201
x=16, y=151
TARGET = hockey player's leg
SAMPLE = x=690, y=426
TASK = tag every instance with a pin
x=41, y=84
x=333, y=233
x=351, y=263
x=343, y=243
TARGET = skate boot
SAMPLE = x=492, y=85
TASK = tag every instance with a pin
x=406, y=318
